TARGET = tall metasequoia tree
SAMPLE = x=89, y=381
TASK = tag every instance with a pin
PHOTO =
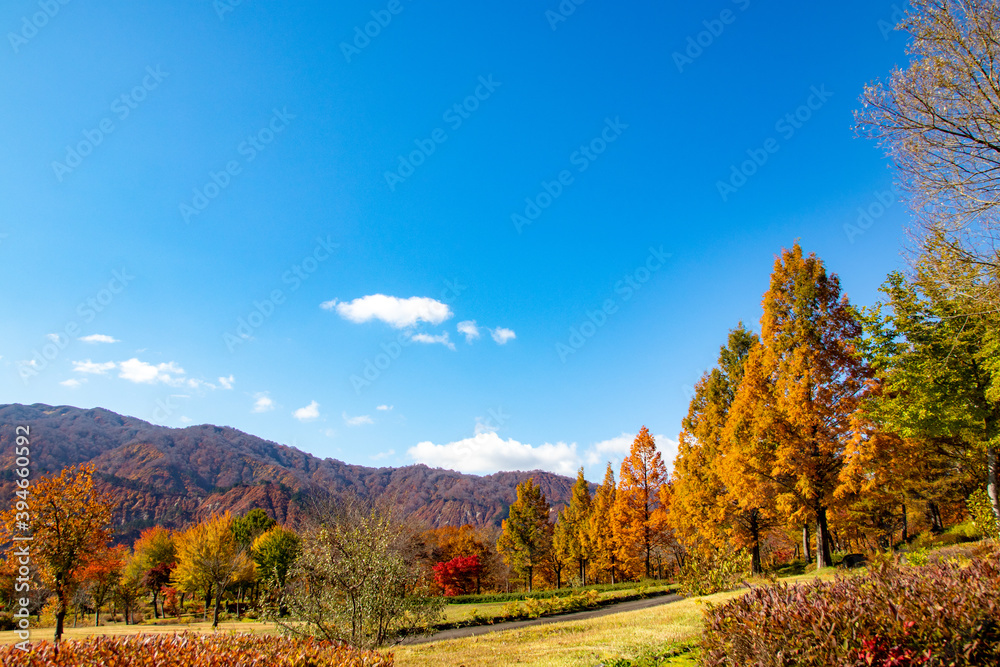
x=640, y=528
x=939, y=370
x=572, y=532
x=70, y=523
x=791, y=417
x=526, y=541
x=705, y=512
x=939, y=123
x=603, y=540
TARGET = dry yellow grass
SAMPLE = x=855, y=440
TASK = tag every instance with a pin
x=587, y=642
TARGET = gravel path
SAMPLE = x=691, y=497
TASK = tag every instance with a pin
x=457, y=633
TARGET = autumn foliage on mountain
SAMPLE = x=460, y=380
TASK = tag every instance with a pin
x=168, y=477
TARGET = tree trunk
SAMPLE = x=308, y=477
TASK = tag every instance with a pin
x=806, y=548
x=155, y=593
x=993, y=479
x=823, y=557
x=937, y=525
x=755, y=565
x=531, y=576
x=905, y=525
x=97, y=616
x=215, y=612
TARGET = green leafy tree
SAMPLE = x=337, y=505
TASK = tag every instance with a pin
x=571, y=538
x=250, y=526
x=940, y=385
x=526, y=540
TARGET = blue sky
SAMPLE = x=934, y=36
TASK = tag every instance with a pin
x=482, y=236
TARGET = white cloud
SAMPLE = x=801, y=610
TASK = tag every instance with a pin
x=185, y=420
x=99, y=338
x=502, y=335
x=399, y=313
x=73, y=383
x=307, y=413
x=384, y=407
x=227, y=383
x=383, y=455
x=93, y=368
x=469, y=329
x=55, y=338
x=617, y=448
x=141, y=372
x=431, y=340
x=358, y=421
x=488, y=453
x=264, y=403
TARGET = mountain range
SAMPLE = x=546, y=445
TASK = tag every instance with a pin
x=173, y=477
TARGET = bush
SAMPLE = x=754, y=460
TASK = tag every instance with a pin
x=7, y=621
x=486, y=598
x=939, y=614
x=981, y=510
x=720, y=571
x=187, y=650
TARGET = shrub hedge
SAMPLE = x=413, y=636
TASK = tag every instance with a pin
x=895, y=614
x=190, y=650
x=486, y=598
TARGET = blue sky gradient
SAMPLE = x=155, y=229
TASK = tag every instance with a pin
x=168, y=170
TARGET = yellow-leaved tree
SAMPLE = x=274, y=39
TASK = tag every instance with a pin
x=209, y=558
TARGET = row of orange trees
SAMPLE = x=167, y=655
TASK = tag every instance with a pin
x=620, y=532
x=852, y=427
x=858, y=423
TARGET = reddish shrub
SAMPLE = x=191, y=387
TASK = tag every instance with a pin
x=943, y=614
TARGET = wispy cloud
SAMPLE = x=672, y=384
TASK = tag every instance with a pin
x=141, y=372
x=383, y=455
x=432, y=340
x=308, y=413
x=263, y=403
x=384, y=407
x=99, y=338
x=93, y=368
x=394, y=311
x=469, y=329
x=227, y=383
x=501, y=335
x=73, y=383
x=358, y=421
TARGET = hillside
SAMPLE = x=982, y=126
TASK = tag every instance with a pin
x=171, y=477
